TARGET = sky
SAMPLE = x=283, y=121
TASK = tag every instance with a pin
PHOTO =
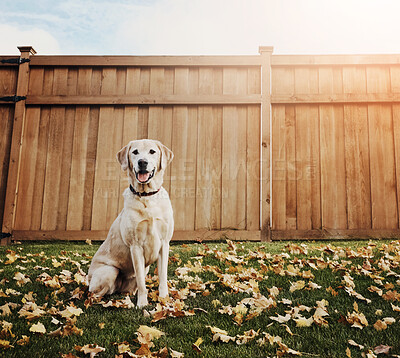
x=200, y=27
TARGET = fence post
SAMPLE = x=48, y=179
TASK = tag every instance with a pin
x=16, y=144
x=266, y=54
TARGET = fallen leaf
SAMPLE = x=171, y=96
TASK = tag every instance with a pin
x=298, y=285
x=23, y=341
x=175, y=354
x=5, y=310
x=70, y=311
x=123, y=347
x=382, y=349
x=304, y=322
x=38, y=328
x=196, y=345
x=348, y=352
x=5, y=344
x=92, y=349
x=354, y=344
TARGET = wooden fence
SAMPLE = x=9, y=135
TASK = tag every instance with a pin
x=299, y=146
x=64, y=180
x=336, y=146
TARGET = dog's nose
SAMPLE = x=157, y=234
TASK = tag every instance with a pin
x=142, y=163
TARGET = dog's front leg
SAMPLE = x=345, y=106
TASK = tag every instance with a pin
x=140, y=273
x=162, y=270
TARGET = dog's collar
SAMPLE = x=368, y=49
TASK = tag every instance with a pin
x=142, y=194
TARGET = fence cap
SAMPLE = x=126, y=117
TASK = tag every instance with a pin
x=29, y=49
x=262, y=49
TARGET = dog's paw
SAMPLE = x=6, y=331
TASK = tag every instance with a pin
x=142, y=301
x=163, y=292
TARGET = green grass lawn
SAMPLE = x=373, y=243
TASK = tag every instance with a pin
x=310, y=299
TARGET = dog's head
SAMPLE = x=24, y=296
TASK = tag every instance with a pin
x=146, y=161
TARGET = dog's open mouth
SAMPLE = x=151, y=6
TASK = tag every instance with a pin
x=144, y=177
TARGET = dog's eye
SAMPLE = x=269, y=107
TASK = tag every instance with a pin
x=136, y=152
x=152, y=151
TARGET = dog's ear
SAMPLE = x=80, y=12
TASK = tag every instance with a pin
x=123, y=156
x=166, y=155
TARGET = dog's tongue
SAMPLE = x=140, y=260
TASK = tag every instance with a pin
x=143, y=177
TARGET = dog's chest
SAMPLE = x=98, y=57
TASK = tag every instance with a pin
x=146, y=221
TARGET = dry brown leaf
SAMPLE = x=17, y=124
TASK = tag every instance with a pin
x=92, y=349
x=23, y=341
x=382, y=349
x=5, y=344
x=5, y=310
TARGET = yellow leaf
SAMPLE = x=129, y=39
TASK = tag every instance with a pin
x=123, y=347
x=304, y=322
x=298, y=285
x=147, y=334
x=216, y=330
x=71, y=311
x=55, y=263
x=102, y=325
x=11, y=257
x=198, y=342
x=196, y=345
x=216, y=303
x=348, y=352
x=38, y=328
x=5, y=344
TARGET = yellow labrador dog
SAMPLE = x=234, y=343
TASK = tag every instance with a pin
x=141, y=233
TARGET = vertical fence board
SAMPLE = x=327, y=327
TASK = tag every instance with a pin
x=234, y=142
x=291, y=174
x=51, y=195
x=29, y=155
x=209, y=157
x=78, y=169
x=90, y=167
x=284, y=176
x=6, y=118
x=332, y=153
x=65, y=163
x=40, y=173
x=183, y=171
x=357, y=151
x=307, y=153
x=383, y=181
x=396, y=136
x=279, y=175
x=104, y=175
x=253, y=168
